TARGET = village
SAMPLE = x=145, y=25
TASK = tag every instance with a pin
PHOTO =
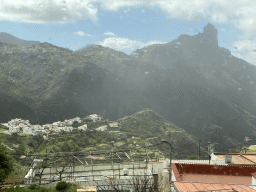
x=218, y=172
x=19, y=125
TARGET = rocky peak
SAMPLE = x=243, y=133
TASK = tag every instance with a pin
x=210, y=35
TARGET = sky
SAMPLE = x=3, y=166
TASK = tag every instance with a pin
x=127, y=25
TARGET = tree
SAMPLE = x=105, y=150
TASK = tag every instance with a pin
x=5, y=165
x=75, y=124
x=41, y=167
x=233, y=150
x=193, y=157
x=245, y=149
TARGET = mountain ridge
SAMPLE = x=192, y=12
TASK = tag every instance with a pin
x=190, y=81
x=10, y=39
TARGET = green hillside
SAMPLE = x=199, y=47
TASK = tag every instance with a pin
x=133, y=132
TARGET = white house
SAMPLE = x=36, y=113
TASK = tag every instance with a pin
x=94, y=117
x=68, y=129
x=14, y=129
x=68, y=122
x=77, y=119
x=102, y=128
x=21, y=125
x=58, y=123
x=45, y=137
x=5, y=124
x=113, y=124
x=27, y=130
x=83, y=127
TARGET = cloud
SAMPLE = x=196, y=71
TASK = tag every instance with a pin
x=44, y=11
x=109, y=34
x=222, y=29
x=114, y=5
x=81, y=33
x=241, y=13
x=124, y=44
x=244, y=49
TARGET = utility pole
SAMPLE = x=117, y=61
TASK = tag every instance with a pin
x=209, y=143
x=199, y=148
x=112, y=157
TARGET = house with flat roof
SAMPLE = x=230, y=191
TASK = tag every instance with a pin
x=83, y=127
x=191, y=177
x=196, y=186
x=102, y=128
x=234, y=158
x=14, y=129
x=113, y=124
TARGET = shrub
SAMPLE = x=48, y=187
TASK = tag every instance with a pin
x=43, y=189
x=33, y=187
x=193, y=157
x=62, y=185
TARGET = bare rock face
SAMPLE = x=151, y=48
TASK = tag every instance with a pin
x=210, y=35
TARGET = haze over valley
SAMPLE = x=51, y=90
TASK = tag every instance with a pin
x=117, y=58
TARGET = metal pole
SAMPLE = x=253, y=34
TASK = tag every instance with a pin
x=73, y=169
x=170, y=173
x=199, y=148
x=92, y=169
x=112, y=157
x=171, y=165
x=112, y=163
x=209, y=151
x=133, y=169
x=51, y=173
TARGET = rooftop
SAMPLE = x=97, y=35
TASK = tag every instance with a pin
x=194, y=186
x=240, y=158
x=232, y=174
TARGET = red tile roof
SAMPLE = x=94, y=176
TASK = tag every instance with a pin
x=215, y=169
x=193, y=186
x=217, y=178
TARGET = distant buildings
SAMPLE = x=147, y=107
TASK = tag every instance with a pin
x=113, y=125
x=23, y=126
x=102, y=128
x=94, y=117
x=83, y=127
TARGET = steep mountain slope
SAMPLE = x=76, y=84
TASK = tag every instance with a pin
x=190, y=81
x=147, y=125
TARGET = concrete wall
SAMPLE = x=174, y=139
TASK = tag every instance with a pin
x=87, y=172
x=217, y=162
x=95, y=168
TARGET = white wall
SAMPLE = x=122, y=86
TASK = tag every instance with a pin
x=253, y=183
x=212, y=162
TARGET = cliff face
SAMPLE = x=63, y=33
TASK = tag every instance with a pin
x=190, y=81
